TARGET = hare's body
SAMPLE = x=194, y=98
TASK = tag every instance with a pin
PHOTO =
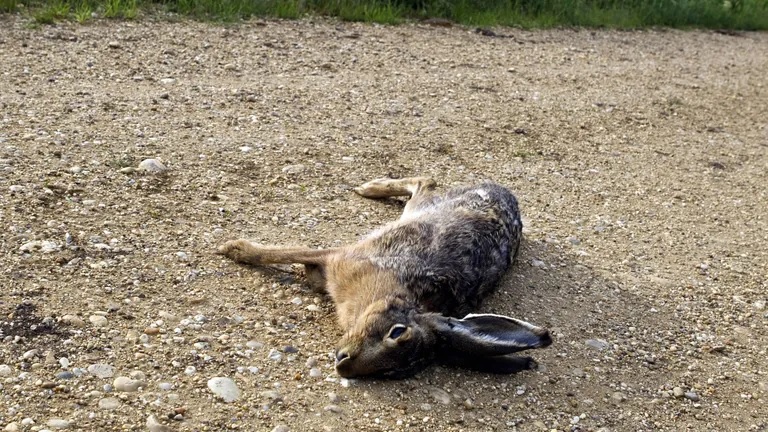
x=450, y=251
x=439, y=260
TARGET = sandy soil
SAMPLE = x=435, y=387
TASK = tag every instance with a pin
x=639, y=159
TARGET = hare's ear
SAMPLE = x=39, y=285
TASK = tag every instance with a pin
x=488, y=335
x=484, y=342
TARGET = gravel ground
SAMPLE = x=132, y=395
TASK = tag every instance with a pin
x=639, y=159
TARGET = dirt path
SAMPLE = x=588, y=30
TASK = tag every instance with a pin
x=639, y=160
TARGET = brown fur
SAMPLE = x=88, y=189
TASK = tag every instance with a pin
x=396, y=277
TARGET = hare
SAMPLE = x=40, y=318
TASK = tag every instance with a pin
x=399, y=291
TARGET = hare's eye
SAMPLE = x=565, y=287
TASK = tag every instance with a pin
x=397, y=331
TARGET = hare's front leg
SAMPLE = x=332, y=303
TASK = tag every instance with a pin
x=246, y=252
x=418, y=188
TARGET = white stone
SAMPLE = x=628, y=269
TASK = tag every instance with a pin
x=101, y=370
x=109, y=403
x=224, y=388
x=56, y=423
x=125, y=384
x=152, y=166
x=155, y=426
x=98, y=320
x=5, y=370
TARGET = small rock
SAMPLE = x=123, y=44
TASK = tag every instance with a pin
x=72, y=320
x=334, y=398
x=11, y=427
x=167, y=81
x=598, y=344
x=440, y=395
x=275, y=355
x=125, y=384
x=152, y=166
x=65, y=375
x=114, y=44
x=678, y=392
x=224, y=388
x=333, y=408
x=155, y=426
x=294, y=169
x=290, y=349
x=58, y=424
x=315, y=373
x=246, y=149
x=109, y=403
x=98, y=320
x=151, y=331
x=5, y=370
x=16, y=188
x=101, y=370
x=281, y=428
x=618, y=397
x=230, y=66
x=254, y=345
x=759, y=305
x=692, y=396
x=75, y=170
x=538, y=263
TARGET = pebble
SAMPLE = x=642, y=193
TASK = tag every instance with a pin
x=334, y=398
x=294, y=169
x=151, y=331
x=281, y=428
x=11, y=427
x=619, y=397
x=333, y=408
x=224, y=388
x=109, y=403
x=152, y=166
x=73, y=320
x=58, y=423
x=125, y=384
x=167, y=81
x=98, y=320
x=16, y=188
x=65, y=375
x=275, y=355
x=5, y=370
x=272, y=395
x=101, y=370
x=44, y=246
x=598, y=344
x=440, y=395
x=315, y=373
x=155, y=426
x=114, y=44
x=252, y=344
x=538, y=263
x=692, y=396
x=678, y=392
x=297, y=301
x=165, y=386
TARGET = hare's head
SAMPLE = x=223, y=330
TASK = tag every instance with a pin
x=394, y=340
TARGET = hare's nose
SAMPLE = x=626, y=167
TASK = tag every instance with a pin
x=341, y=355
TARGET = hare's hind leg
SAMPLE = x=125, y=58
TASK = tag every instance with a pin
x=417, y=188
x=244, y=251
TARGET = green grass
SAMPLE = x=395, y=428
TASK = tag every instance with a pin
x=625, y=14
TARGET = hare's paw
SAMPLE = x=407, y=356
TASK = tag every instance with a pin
x=239, y=251
x=378, y=188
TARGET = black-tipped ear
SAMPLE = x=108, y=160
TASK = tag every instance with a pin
x=488, y=335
